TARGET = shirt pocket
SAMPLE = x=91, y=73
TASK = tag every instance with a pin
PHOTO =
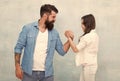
x=30, y=39
x=53, y=43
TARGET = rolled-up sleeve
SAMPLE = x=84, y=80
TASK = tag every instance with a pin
x=59, y=46
x=21, y=42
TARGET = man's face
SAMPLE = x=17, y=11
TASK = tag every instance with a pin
x=50, y=20
x=52, y=17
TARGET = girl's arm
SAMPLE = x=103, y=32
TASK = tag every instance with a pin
x=73, y=46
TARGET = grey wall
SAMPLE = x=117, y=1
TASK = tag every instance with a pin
x=15, y=13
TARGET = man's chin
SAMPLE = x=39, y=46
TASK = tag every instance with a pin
x=49, y=26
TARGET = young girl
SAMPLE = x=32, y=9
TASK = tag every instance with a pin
x=87, y=49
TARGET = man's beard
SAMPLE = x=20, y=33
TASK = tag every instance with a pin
x=49, y=24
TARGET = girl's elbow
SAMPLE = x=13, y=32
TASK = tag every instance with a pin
x=75, y=51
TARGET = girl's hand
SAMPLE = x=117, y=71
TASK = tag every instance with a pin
x=69, y=34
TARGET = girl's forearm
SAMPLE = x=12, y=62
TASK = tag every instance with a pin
x=73, y=46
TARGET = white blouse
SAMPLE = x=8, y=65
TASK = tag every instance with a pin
x=88, y=49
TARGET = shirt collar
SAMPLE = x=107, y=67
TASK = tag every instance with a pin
x=93, y=30
x=36, y=24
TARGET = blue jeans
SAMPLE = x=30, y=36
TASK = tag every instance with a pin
x=37, y=76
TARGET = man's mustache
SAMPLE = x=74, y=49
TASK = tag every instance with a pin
x=52, y=21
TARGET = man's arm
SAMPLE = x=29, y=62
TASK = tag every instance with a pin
x=18, y=70
x=60, y=48
x=17, y=59
x=67, y=44
x=21, y=43
x=73, y=46
x=70, y=36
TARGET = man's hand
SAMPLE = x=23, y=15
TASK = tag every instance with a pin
x=18, y=69
x=69, y=34
x=19, y=72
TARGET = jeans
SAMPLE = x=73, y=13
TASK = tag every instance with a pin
x=37, y=76
x=88, y=73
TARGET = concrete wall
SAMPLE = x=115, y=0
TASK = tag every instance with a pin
x=15, y=13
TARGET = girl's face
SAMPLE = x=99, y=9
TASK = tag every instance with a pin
x=82, y=25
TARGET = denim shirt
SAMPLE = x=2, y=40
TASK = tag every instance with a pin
x=27, y=41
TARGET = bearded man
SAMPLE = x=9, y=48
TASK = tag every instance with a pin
x=39, y=41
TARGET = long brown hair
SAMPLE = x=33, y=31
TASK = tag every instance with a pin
x=89, y=23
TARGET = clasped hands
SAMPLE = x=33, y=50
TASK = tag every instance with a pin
x=69, y=34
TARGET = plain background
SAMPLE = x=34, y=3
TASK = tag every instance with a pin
x=16, y=13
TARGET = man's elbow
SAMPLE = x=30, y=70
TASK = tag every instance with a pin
x=63, y=53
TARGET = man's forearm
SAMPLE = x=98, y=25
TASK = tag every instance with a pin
x=17, y=59
x=66, y=46
x=70, y=34
x=18, y=69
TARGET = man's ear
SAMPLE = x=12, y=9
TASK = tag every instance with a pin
x=45, y=15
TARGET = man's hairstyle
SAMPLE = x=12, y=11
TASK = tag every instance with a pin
x=47, y=8
x=88, y=22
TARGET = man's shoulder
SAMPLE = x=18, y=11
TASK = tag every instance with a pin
x=32, y=24
x=29, y=26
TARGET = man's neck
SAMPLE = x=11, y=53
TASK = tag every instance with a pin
x=41, y=25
